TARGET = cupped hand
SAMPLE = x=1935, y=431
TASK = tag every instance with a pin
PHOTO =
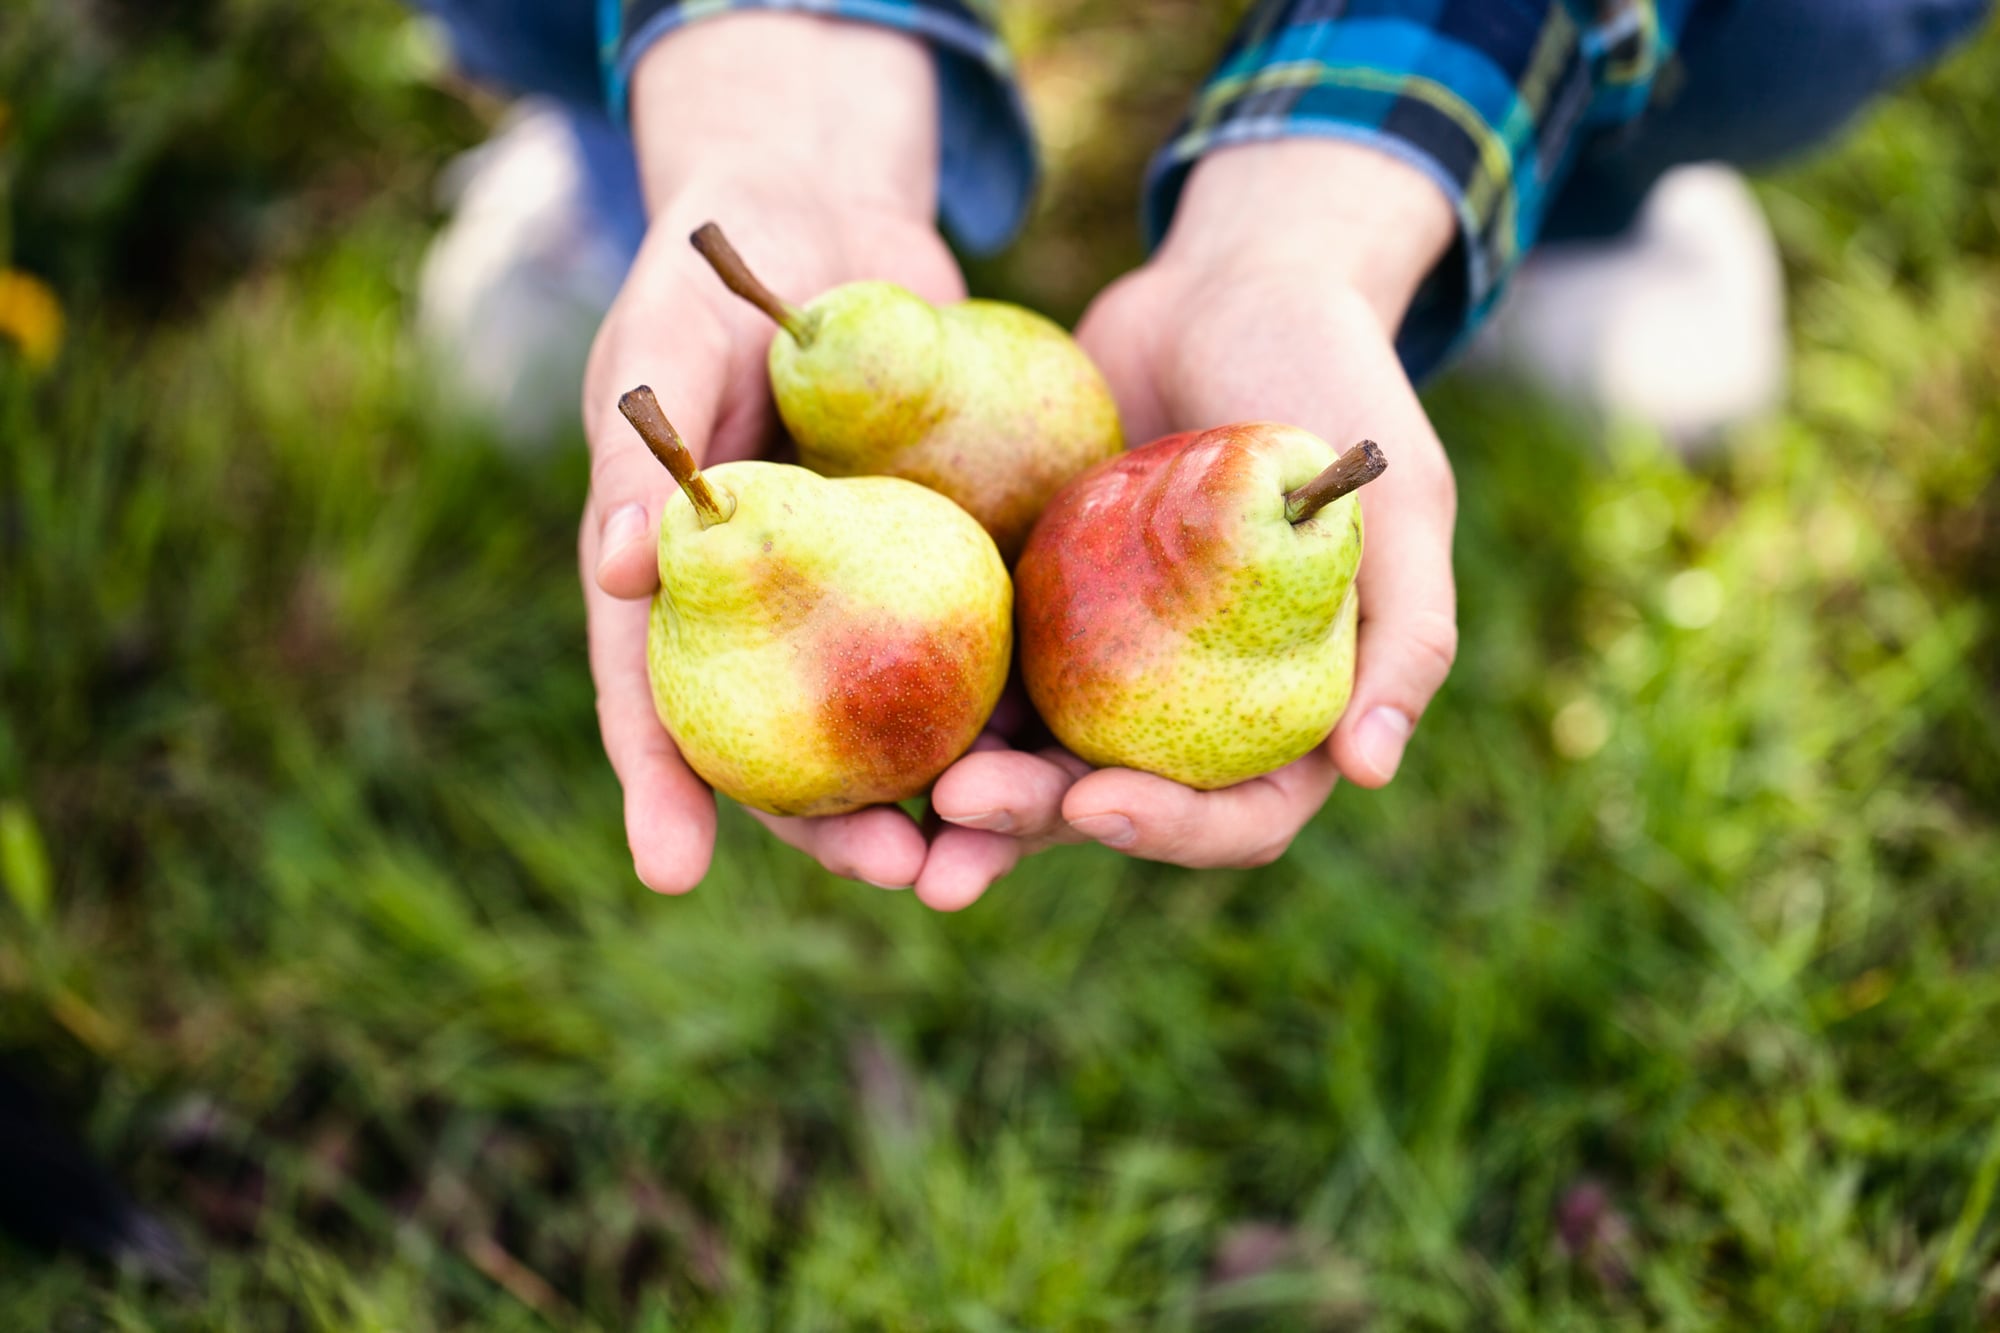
x=813, y=144
x=1275, y=298
x=675, y=327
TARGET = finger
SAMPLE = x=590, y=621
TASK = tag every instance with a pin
x=962, y=865
x=1409, y=619
x=1249, y=824
x=1009, y=791
x=669, y=812
x=661, y=334
x=880, y=845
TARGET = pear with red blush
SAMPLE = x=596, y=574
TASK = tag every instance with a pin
x=1189, y=608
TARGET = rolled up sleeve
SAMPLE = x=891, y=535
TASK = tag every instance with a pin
x=987, y=165
x=1491, y=99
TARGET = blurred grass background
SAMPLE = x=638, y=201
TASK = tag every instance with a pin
x=1662, y=990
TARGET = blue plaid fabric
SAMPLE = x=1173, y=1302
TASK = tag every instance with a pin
x=1531, y=115
x=988, y=167
x=1489, y=98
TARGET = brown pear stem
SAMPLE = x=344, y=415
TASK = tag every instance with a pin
x=737, y=277
x=642, y=409
x=1343, y=476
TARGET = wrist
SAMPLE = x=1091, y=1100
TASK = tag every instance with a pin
x=1340, y=211
x=791, y=103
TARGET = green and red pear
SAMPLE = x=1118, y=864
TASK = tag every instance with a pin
x=819, y=645
x=1189, y=609
x=982, y=401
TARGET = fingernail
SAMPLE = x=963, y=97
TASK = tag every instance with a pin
x=993, y=821
x=878, y=884
x=626, y=524
x=1111, y=830
x=1381, y=737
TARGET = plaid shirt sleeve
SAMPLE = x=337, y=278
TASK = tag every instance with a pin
x=1492, y=99
x=987, y=167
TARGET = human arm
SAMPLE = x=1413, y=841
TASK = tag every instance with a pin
x=814, y=142
x=1346, y=198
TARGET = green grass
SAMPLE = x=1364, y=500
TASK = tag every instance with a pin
x=1689, y=894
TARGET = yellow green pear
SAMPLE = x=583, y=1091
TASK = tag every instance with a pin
x=818, y=645
x=1189, y=609
x=985, y=402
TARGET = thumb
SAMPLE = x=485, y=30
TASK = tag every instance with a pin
x=684, y=357
x=1409, y=619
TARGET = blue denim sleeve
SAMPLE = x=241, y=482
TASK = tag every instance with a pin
x=1489, y=98
x=987, y=163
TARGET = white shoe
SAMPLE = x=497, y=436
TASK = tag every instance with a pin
x=1680, y=324
x=514, y=286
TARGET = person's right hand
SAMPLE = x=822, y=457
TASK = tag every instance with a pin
x=813, y=144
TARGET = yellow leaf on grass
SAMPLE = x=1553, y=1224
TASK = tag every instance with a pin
x=30, y=316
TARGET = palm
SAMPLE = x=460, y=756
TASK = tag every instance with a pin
x=1182, y=355
x=675, y=314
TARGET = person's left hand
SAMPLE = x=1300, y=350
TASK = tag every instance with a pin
x=1276, y=298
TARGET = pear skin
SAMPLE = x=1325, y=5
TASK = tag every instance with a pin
x=818, y=645
x=1175, y=618
x=982, y=401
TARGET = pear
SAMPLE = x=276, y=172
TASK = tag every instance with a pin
x=819, y=645
x=982, y=401
x=1189, y=609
